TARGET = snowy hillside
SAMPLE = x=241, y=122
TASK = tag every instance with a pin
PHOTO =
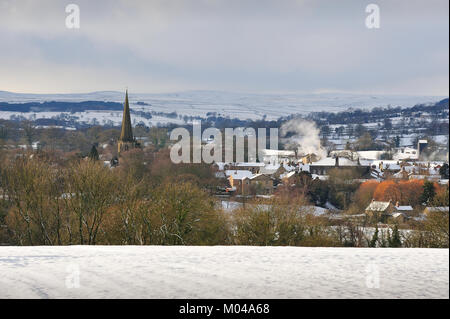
x=239, y=105
x=222, y=272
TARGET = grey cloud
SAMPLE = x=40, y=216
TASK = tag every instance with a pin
x=235, y=45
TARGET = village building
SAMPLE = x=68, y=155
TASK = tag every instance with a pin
x=404, y=209
x=406, y=153
x=388, y=211
x=288, y=178
x=243, y=182
x=260, y=184
x=325, y=165
x=236, y=180
x=278, y=156
x=379, y=208
x=253, y=167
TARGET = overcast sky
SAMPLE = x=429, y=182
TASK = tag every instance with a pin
x=231, y=45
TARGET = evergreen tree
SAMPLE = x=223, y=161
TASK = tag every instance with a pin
x=93, y=154
x=395, y=240
x=443, y=171
x=388, y=241
x=428, y=192
x=384, y=242
x=397, y=141
x=373, y=242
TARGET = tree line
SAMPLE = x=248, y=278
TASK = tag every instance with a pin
x=147, y=200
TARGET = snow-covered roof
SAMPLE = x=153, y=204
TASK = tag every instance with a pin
x=391, y=165
x=377, y=206
x=371, y=155
x=270, y=168
x=287, y=175
x=321, y=177
x=249, y=164
x=255, y=176
x=288, y=167
x=330, y=161
x=406, y=153
x=238, y=174
x=404, y=208
x=270, y=152
x=303, y=167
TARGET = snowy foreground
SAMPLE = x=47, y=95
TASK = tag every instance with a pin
x=222, y=272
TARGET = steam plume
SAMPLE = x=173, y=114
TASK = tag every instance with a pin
x=305, y=137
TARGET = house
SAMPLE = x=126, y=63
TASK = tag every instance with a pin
x=288, y=178
x=236, y=176
x=270, y=169
x=253, y=167
x=259, y=184
x=277, y=156
x=379, y=208
x=324, y=166
x=236, y=179
x=388, y=166
x=403, y=209
x=382, y=211
x=243, y=182
x=404, y=153
x=389, y=211
x=280, y=171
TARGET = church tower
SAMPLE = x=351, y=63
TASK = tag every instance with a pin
x=126, y=139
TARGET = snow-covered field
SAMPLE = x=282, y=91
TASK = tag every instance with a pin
x=240, y=105
x=222, y=272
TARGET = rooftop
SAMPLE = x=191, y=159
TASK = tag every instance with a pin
x=238, y=174
x=378, y=206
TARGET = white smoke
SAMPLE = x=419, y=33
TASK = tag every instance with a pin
x=305, y=137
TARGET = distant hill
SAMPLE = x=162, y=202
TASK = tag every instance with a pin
x=54, y=106
x=254, y=106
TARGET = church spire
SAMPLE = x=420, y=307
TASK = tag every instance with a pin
x=126, y=135
x=126, y=139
